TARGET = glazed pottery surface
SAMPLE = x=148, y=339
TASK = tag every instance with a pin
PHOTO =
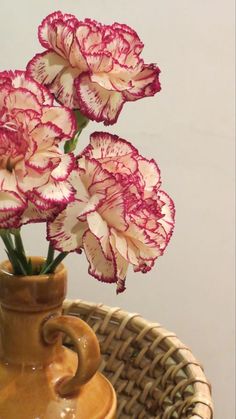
x=39, y=377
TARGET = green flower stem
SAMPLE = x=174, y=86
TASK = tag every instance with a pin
x=5, y=236
x=50, y=257
x=82, y=122
x=22, y=270
x=10, y=239
x=54, y=263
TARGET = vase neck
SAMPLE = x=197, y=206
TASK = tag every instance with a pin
x=26, y=302
x=21, y=340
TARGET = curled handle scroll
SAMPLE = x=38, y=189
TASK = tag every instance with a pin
x=85, y=344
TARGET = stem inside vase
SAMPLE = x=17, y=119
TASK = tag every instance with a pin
x=21, y=264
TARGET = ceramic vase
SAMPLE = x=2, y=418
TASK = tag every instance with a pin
x=39, y=377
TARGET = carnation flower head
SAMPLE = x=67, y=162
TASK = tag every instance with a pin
x=92, y=67
x=120, y=215
x=33, y=170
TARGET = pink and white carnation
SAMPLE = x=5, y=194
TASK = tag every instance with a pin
x=120, y=216
x=33, y=170
x=92, y=67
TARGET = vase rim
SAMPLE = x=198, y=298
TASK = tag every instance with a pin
x=32, y=292
x=6, y=268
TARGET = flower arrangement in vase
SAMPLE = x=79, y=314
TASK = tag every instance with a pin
x=106, y=201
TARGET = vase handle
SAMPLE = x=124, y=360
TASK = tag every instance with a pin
x=85, y=344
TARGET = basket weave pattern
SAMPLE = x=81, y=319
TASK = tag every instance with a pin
x=153, y=373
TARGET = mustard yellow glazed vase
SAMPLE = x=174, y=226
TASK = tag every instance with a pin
x=39, y=377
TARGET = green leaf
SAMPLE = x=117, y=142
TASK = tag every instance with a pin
x=15, y=266
x=16, y=257
x=21, y=264
x=52, y=266
x=20, y=251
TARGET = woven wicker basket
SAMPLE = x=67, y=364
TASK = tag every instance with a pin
x=154, y=374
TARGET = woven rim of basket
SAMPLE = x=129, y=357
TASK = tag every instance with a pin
x=174, y=348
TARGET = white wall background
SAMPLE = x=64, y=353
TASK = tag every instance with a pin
x=188, y=129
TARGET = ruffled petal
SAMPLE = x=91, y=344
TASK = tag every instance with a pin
x=32, y=214
x=8, y=181
x=150, y=173
x=42, y=161
x=93, y=203
x=168, y=211
x=45, y=67
x=100, y=267
x=10, y=201
x=89, y=35
x=63, y=87
x=22, y=99
x=125, y=247
x=63, y=118
x=60, y=38
x=130, y=36
x=6, y=78
x=104, y=145
x=66, y=232
x=56, y=191
x=144, y=266
x=145, y=84
x=26, y=119
x=91, y=184
x=4, y=91
x=20, y=79
x=12, y=220
x=64, y=168
x=35, y=178
x=76, y=56
x=117, y=156
x=55, y=23
x=45, y=134
x=96, y=102
x=100, y=229
x=99, y=62
x=121, y=268
x=113, y=208
x=94, y=177
x=146, y=248
x=113, y=83
x=81, y=191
